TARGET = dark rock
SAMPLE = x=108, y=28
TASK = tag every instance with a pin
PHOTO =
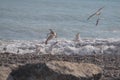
x=57, y=70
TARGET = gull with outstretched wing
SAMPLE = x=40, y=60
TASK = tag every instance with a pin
x=96, y=13
x=51, y=35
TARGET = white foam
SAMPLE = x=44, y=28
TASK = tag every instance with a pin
x=61, y=46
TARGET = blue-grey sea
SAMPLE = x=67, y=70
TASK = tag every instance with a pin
x=32, y=19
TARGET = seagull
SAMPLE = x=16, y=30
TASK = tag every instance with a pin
x=97, y=13
x=77, y=37
x=51, y=35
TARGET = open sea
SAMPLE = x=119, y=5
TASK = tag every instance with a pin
x=31, y=19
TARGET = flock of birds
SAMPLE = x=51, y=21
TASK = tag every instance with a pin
x=53, y=34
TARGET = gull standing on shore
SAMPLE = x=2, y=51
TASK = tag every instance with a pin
x=77, y=37
x=51, y=35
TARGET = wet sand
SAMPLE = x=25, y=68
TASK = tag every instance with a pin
x=110, y=63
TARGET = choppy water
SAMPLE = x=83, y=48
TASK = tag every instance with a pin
x=31, y=19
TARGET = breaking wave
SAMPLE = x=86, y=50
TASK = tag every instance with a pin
x=61, y=46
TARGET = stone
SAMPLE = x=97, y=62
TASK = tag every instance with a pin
x=4, y=72
x=57, y=70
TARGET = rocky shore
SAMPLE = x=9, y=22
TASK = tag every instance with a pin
x=109, y=63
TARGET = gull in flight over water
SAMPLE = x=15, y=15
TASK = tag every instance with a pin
x=97, y=13
x=51, y=35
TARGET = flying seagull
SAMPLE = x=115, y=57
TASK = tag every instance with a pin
x=51, y=35
x=97, y=13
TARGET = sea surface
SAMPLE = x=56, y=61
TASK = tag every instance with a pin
x=32, y=19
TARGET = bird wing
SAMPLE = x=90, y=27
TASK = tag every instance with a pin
x=100, y=9
x=54, y=33
x=51, y=31
x=91, y=16
x=97, y=21
x=95, y=13
x=49, y=38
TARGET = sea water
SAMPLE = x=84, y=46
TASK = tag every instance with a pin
x=24, y=25
x=31, y=19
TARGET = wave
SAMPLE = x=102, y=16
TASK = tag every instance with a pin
x=61, y=46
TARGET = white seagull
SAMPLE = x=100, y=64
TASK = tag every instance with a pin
x=97, y=13
x=51, y=35
x=77, y=37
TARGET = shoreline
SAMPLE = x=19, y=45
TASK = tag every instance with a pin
x=63, y=46
x=108, y=62
x=103, y=53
